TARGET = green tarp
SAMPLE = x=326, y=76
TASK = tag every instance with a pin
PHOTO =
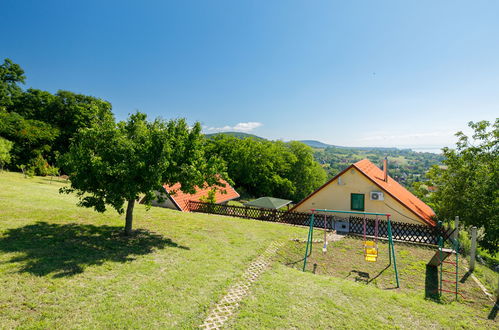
x=268, y=203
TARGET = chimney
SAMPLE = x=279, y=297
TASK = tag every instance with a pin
x=385, y=169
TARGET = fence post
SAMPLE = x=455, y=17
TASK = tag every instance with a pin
x=473, y=248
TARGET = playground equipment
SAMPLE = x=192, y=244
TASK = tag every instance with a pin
x=370, y=247
x=440, y=259
x=324, y=247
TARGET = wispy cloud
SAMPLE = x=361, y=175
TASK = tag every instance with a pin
x=240, y=127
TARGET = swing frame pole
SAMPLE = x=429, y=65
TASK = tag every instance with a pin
x=309, y=239
x=392, y=250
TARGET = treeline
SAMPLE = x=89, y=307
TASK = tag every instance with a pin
x=39, y=124
x=268, y=168
x=37, y=128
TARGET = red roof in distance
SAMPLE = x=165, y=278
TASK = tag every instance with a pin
x=222, y=194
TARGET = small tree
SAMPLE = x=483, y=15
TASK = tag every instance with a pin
x=28, y=171
x=210, y=197
x=112, y=163
x=53, y=171
x=5, y=147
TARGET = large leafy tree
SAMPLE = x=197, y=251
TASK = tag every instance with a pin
x=66, y=111
x=11, y=75
x=269, y=168
x=468, y=183
x=113, y=164
x=306, y=173
x=32, y=138
x=41, y=124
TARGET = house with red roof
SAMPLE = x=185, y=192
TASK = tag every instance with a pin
x=364, y=187
x=175, y=199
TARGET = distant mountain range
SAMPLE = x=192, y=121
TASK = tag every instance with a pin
x=311, y=143
x=316, y=144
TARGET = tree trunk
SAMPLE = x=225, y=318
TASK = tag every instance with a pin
x=129, y=217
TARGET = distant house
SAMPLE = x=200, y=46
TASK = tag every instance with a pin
x=364, y=187
x=175, y=199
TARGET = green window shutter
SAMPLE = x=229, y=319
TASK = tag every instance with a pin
x=357, y=202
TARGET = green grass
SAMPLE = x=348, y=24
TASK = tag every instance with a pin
x=345, y=259
x=284, y=299
x=63, y=266
x=487, y=276
x=235, y=203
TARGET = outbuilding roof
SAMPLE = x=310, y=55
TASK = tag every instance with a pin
x=391, y=187
x=268, y=203
x=181, y=199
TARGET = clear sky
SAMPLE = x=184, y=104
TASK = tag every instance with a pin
x=355, y=73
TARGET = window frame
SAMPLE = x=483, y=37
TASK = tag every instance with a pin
x=363, y=201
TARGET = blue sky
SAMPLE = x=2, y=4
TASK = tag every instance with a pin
x=356, y=73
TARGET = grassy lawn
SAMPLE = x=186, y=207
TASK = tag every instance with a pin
x=487, y=276
x=62, y=266
x=290, y=299
x=345, y=259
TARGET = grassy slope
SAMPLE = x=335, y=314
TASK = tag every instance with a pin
x=62, y=266
x=304, y=297
x=291, y=299
x=87, y=276
x=345, y=259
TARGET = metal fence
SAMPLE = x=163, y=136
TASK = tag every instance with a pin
x=401, y=231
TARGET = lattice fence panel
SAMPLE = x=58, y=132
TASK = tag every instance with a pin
x=401, y=231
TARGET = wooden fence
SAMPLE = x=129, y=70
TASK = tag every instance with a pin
x=401, y=231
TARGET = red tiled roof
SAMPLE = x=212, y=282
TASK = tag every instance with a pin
x=182, y=199
x=391, y=187
x=397, y=191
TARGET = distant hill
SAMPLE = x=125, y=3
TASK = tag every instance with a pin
x=239, y=135
x=315, y=144
x=311, y=143
x=321, y=145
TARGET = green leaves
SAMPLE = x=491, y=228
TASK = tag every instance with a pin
x=31, y=137
x=110, y=164
x=5, y=147
x=468, y=184
x=11, y=74
x=41, y=123
x=267, y=168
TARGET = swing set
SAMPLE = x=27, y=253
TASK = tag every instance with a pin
x=370, y=246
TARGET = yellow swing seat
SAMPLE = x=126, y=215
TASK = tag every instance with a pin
x=370, y=251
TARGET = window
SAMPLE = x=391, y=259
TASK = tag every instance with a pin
x=357, y=202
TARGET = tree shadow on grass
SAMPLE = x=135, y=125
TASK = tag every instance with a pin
x=493, y=311
x=65, y=250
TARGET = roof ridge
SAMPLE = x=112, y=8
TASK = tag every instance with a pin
x=391, y=187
